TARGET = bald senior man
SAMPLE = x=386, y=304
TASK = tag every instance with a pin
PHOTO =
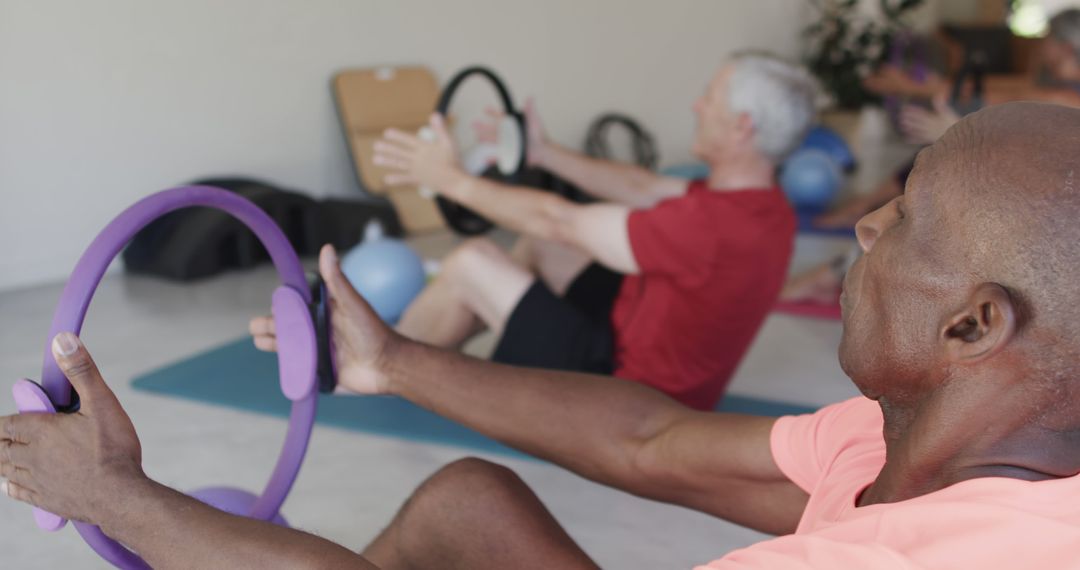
x=960, y=329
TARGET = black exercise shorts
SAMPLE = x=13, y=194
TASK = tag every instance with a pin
x=568, y=333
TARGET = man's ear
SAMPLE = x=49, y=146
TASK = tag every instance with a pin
x=985, y=325
x=744, y=127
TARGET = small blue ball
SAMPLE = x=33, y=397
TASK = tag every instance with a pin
x=811, y=179
x=387, y=273
x=825, y=139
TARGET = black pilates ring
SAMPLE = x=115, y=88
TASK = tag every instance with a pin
x=643, y=143
x=461, y=219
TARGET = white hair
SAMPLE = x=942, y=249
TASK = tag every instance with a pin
x=1065, y=27
x=779, y=97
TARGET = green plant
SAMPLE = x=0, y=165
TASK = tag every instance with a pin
x=846, y=44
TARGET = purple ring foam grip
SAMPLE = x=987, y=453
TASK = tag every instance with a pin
x=297, y=352
x=30, y=399
x=71, y=311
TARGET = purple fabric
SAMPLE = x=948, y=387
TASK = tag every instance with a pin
x=30, y=398
x=904, y=42
x=297, y=351
x=71, y=311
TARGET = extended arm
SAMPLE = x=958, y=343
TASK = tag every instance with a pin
x=607, y=180
x=86, y=466
x=997, y=88
x=1005, y=88
x=610, y=430
x=627, y=184
x=171, y=530
x=598, y=230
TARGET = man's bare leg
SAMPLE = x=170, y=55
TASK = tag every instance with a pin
x=478, y=287
x=818, y=285
x=556, y=264
x=473, y=514
x=822, y=283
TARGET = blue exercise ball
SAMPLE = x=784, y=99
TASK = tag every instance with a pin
x=825, y=139
x=811, y=178
x=386, y=272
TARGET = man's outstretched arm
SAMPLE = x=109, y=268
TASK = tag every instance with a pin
x=172, y=530
x=620, y=182
x=86, y=466
x=597, y=230
x=610, y=430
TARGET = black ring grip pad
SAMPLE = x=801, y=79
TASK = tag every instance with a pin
x=320, y=316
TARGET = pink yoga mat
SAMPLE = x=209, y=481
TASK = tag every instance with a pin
x=810, y=309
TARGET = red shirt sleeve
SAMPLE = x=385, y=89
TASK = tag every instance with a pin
x=675, y=236
x=805, y=446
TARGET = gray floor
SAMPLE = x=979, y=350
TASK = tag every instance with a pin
x=352, y=483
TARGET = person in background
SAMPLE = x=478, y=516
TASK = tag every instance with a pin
x=662, y=281
x=1056, y=79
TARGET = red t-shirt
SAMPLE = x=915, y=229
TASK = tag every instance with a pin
x=712, y=265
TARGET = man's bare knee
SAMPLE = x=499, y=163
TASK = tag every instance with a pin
x=467, y=491
x=471, y=256
x=557, y=264
x=474, y=250
x=476, y=514
x=462, y=478
x=524, y=252
x=486, y=280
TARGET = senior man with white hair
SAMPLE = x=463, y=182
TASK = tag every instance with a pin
x=664, y=282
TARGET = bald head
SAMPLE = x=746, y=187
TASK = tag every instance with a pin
x=963, y=318
x=1021, y=151
x=1004, y=184
x=978, y=258
x=1012, y=174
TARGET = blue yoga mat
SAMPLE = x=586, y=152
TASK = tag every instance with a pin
x=237, y=375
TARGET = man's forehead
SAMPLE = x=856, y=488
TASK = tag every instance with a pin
x=932, y=172
x=919, y=171
x=721, y=76
x=969, y=162
x=994, y=170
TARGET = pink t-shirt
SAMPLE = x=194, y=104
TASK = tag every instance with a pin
x=988, y=523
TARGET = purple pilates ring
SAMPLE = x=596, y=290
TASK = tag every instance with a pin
x=297, y=349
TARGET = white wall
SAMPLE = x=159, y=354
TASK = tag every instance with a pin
x=104, y=102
